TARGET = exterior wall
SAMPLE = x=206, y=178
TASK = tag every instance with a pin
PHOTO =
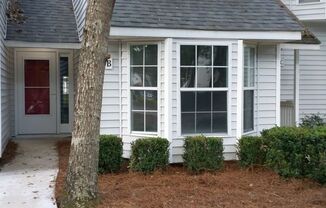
x=7, y=79
x=267, y=88
x=80, y=13
x=312, y=93
x=116, y=99
x=307, y=11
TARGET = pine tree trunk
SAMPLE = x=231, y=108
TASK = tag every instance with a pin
x=81, y=180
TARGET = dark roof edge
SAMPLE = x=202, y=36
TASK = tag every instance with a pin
x=307, y=36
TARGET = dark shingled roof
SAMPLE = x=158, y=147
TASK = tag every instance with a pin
x=54, y=21
x=220, y=15
x=51, y=21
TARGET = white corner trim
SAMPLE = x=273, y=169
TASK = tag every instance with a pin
x=182, y=33
x=240, y=89
x=167, y=93
x=278, y=86
x=300, y=46
x=22, y=44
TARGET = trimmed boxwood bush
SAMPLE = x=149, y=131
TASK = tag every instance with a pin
x=251, y=151
x=297, y=152
x=203, y=153
x=110, y=154
x=149, y=154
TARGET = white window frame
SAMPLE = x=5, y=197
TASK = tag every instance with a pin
x=303, y=3
x=212, y=89
x=254, y=88
x=144, y=133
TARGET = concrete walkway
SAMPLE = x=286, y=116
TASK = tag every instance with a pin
x=29, y=180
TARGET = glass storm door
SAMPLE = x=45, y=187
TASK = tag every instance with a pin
x=37, y=93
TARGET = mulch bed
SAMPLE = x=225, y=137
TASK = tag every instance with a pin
x=9, y=153
x=232, y=187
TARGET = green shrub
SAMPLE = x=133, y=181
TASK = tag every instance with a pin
x=315, y=151
x=110, y=154
x=297, y=152
x=149, y=154
x=203, y=153
x=251, y=151
x=312, y=121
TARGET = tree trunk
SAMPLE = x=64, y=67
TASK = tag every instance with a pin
x=81, y=180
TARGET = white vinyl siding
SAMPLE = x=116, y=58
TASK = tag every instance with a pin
x=266, y=87
x=307, y=9
x=312, y=84
x=7, y=80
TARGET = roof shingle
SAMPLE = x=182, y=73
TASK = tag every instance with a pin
x=50, y=21
x=53, y=21
x=219, y=15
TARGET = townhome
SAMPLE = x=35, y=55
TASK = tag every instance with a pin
x=176, y=68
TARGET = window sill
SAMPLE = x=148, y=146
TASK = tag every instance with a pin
x=143, y=134
x=249, y=132
x=222, y=135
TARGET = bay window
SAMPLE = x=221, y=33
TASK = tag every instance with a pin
x=249, y=88
x=143, y=87
x=204, y=88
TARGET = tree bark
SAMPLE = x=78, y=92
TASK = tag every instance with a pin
x=81, y=179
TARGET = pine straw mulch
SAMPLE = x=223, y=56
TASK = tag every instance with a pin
x=232, y=187
x=9, y=153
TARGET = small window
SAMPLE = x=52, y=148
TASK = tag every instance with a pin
x=308, y=1
x=143, y=85
x=203, y=86
x=249, y=88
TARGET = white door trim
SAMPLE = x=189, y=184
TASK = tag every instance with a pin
x=19, y=80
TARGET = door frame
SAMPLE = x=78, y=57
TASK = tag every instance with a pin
x=60, y=129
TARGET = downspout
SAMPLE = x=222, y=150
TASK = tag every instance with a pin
x=258, y=87
x=296, y=86
x=120, y=87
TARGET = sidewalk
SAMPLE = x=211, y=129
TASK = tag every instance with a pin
x=28, y=181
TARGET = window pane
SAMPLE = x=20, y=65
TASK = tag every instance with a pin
x=151, y=55
x=204, y=56
x=220, y=55
x=137, y=121
x=252, y=57
x=37, y=73
x=136, y=55
x=204, y=101
x=187, y=55
x=188, y=101
x=204, y=77
x=246, y=55
x=151, y=100
x=188, y=77
x=136, y=76
x=219, y=101
x=248, y=110
x=220, y=123
x=64, y=90
x=151, y=76
x=204, y=123
x=151, y=122
x=37, y=101
x=137, y=101
x=220, y=77
x=249, y=77
x=188, y=123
